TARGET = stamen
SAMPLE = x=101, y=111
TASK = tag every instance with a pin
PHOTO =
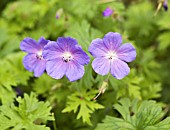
x=67, y=57
x=111, y=55
x=39, y=55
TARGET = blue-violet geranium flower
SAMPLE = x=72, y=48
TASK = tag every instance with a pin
x=111, y=56
x=34, y=61
x=107, y=12
x=65, y=57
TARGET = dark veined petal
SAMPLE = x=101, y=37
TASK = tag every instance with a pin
x=52, y=51
x=119, y=69
x=56, y=68
x=29, y=45
x=80, y=56
x=112, y=40
x=126, y=52
x=97, y=48
x=29, y=62
x=67, y=43
x=101, y=65
x=75, y=71
x=39, y=68
x=42, y=42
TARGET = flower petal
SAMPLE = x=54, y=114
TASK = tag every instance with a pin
x=39, y=68
x=107, y=12
x=119, y=69
x=126, y=52
x=101, y=65
x=29, y=62
x=80, y=56
x=112, y=40
x=97, y=48
x=66, y=43
x=75, y=71
x=29, y=45
x=56, y=68
x=42, y=42
x=52, y=51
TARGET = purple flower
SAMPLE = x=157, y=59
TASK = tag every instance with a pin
x=107, y=12
x=111, y=56
x=33, y=61
x=65, y=57
x=165, y=5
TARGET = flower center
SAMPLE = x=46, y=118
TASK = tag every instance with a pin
x=67, y=57
x=39, y=55
x=111, y=55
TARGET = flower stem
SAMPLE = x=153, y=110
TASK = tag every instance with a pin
x=54, y=125
x=107, y=79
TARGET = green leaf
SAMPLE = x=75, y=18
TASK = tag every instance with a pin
x=130, y=86
x=134, y=91
x=83, y=105
x=163, y=22
x=44, y=83
x=17, y=69
x=163, y=40
x=32, y=107
x=163, y=125
x=145, y=115
x=3, y=35
x=18, y=11
x=141, y=26
x=112, y=123
x=83, y=33
x=30, y=113
x=137, y=85
x=6, y=81
x=12, y=74
x=123, y=109
x=80, y=8
x=151, y=90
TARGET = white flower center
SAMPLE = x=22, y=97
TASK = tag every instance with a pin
x=111, y=55
x=39, y=55
x=67, y=56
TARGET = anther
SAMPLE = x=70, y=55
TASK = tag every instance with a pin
x=67, y=57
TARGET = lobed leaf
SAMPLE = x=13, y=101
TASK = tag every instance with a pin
x=30, y=113
x=145, y=115
x=82, y=105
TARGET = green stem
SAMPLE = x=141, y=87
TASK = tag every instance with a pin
x=79, y=91
x=107, y=79
x=54, y=125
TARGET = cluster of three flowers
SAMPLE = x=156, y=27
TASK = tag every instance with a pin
x=66, y=57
